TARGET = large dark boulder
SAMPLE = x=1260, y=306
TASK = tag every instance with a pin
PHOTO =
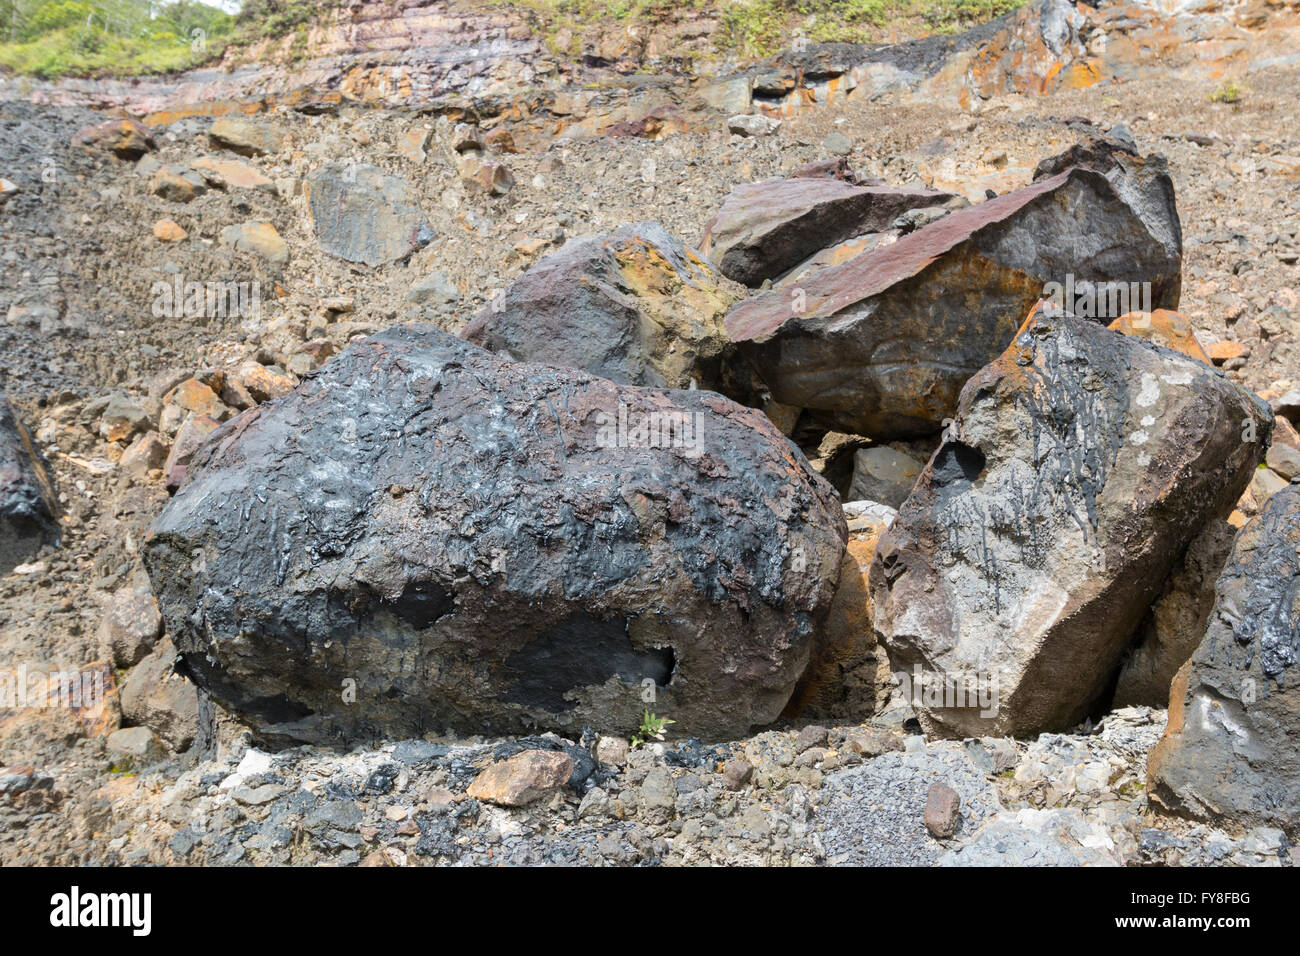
x=882, y=344
x=28, y=504
x=636, y=307
x=1231, y=751
x=424, y=535
x=765, y=228
x=1079, y=466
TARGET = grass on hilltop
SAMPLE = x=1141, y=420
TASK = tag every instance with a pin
x=53, y=38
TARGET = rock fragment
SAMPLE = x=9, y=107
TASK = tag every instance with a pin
x=766, y=228
x=635, y=307
x=1079, y=466
x=523, y=778
x=1228, y=753
x=881, y=345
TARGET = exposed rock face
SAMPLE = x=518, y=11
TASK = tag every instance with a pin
x=882, y=344
x=362, y=214
x=1177, y=620
x=636, y=307
x=848, y=676
x=424, y=535
x=1143, y=182
x=1078, y=467
x=28, y=504
x=1231, y=751
x=765, y=228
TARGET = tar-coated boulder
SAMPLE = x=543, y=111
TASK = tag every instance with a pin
x=28, y=505
x=424, y=536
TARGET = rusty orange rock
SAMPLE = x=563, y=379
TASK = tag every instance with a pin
x=848, y=675
x=193, y=396
x=165, y=230
x=232, y=173
x=1163, y=327
x=523, y=778
x=263, y=383
x=1226, y=350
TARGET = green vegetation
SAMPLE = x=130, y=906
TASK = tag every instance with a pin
x=49, y=38
x=1229, y=92
x=652, y=728
x=761, y=27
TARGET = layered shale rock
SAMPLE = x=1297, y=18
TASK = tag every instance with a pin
x=1231, y=751
x=362, y=214
x=28, y=504
x=1079, y=466
x=766, y=228
x=636, y=307
x=882, y=344
x=423, y=535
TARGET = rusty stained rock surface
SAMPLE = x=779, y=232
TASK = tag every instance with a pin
x=1231, y=750
x=1079, y=466
x=28, y=503
x=764, y=229
x=882, y=345
x=484, y=545
x=1165, y=328
x=848, y=676
x=636, y=307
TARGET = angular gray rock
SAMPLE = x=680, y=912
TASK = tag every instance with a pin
x=883, y=474
x=424, y=536
x=882, y=344
x=155, y=696
x=765, y=228
x=130, y=626
x=636, y=307
x=1078, y=467
x=28, y=503
x=1143, y=182
x=362, y=214
x=1231, y=750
